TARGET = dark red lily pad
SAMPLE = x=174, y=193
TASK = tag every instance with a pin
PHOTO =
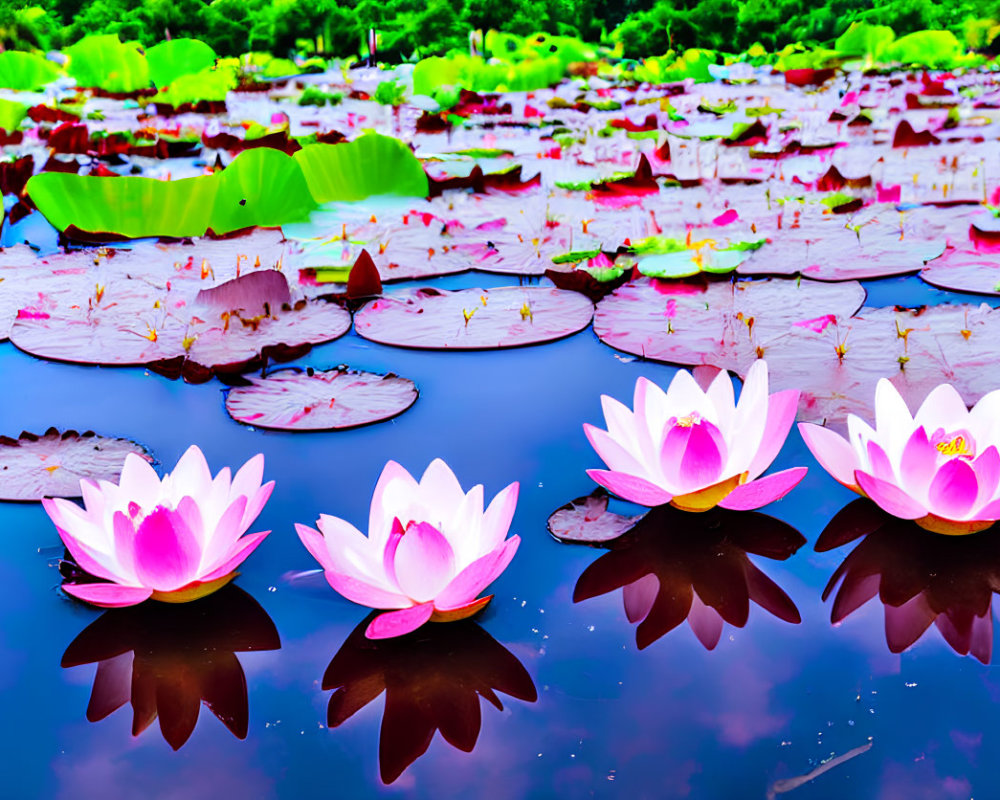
x=308, y=400
x=473, y=319
x=52, y=465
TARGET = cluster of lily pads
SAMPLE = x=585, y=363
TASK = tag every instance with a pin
x=167, y=212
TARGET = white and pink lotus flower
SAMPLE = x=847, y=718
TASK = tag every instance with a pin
x=175, y=539
x=430, y=551
x=696, y=449
x=939, y=467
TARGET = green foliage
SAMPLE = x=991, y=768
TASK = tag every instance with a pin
x=691, y=63
x=390, y=93
x=415, y=29
x=314, y=96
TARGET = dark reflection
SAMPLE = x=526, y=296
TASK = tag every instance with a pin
x=919, y=577
x=675, y=565
x=167, y=659
x=432, y=679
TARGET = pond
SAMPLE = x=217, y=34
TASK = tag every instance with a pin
x=269, y=690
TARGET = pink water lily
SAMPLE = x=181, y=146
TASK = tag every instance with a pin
x=939, y=467
x=694, y=448
x=430, y=550
x=175, y=539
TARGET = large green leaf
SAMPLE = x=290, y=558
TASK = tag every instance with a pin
x=103, y=62
x=11, y=114
x=864, y=40
x=431, y=74
x=927, y=48
x=209, y=84
x=261, y=187
x=25, y=71
x=370, y=165
x=169, y=60
x=131, y=206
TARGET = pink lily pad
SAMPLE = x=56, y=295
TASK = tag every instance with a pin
x=810, y=339
x=587, y=520
x=835, y=248
x=53, y=464
x=134, y=323
x=296, y=400
x=473, y=319
x=723, y=324
x=965, y=270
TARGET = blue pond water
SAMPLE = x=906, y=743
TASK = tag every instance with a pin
x=585, y=712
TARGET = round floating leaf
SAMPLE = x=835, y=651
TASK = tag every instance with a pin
x=965, y=270
x=724, y=324
x=25, y=71
x=473, y=319
x=52, y=465
x=134, y=322
x=296, y=400
x=171, y=59
x=370, y=165
x=587, y=520
x=827, y=249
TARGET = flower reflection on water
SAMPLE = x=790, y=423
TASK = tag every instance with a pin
x=432, y=679
x=919, y=577
x=675, y=565
x=168, y=659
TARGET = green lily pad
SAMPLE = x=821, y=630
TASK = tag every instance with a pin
x=169, y=60
x=25, y=71
x=104, y=62
x=370, y=165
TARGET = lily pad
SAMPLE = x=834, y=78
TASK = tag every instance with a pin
x=473, y=319
x=136, y=323
x=25, y=71
x=370, y=165
x=104, y=62
x=308, y=400
x=721, y=323
x=174, y=58
x=53, y=464
x=587, y=520
x=965, y=270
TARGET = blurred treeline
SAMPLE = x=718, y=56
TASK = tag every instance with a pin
x=433, y=27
